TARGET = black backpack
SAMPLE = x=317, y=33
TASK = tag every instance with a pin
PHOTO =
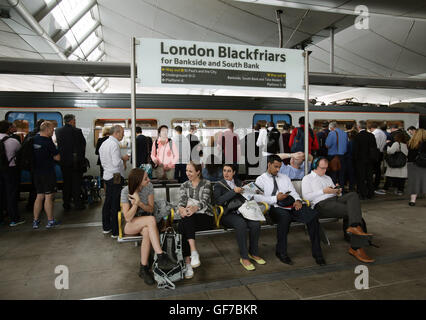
x=25, y=155
x=299, y=141
x=4, y=161
x=273, y=137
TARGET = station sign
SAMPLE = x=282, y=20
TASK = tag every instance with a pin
x=194, y=64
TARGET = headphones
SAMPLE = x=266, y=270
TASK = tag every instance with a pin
x=316, y=162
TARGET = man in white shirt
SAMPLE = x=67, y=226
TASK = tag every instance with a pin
x=381, y=143
x=319, y=189
x=113, y=164
x=277, y=188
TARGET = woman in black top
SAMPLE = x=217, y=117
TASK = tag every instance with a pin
x=227, y=193
x=416, y=173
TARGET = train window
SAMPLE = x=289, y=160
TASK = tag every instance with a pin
x=341, y=124
x=149, y=128
x=388, y=123
x=101, y=123
x=278, y=119
x=25, y=121
x=206, y=128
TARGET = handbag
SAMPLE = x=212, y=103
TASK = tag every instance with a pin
x=251, y=211
x=334, y=164
x=397, y=159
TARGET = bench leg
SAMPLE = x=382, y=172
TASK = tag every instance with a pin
x=323, y=236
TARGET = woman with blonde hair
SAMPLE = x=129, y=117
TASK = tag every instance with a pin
x=416, y=173
x=195, y=212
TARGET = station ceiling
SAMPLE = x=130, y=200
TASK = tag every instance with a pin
x=393, y=45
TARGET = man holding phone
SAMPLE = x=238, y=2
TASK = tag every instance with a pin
x=327, y=199
x=286, y=206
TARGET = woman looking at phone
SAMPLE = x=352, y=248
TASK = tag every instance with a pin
x=137, y=202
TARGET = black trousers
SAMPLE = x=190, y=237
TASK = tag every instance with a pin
x=339, y=176
x=377, y=170
x=399, y=183
x=180, y=172
x=189, y=225
x=347, y=205
x=9, y=183
x=241, y=224
x=283, y=218
x=72, y=186
x=364, y=179
x=111, y=206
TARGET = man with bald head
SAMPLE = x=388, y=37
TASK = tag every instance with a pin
x=113, y=164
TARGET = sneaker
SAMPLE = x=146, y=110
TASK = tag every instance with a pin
x=114, y=237
x=106, y=232
x=399, y=193
x=14, y=224
x=380, y=191
x=36, y=224
x=195, y=259
x=52, y=223
x=189, y=273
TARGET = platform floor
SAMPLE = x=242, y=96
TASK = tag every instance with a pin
x=101, y=268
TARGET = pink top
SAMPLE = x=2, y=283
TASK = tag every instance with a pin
x=164, y=155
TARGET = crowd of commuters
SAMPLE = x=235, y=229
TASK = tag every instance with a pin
x=336, y=156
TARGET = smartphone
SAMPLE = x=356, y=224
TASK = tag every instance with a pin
x=337, y=187
x=288, y=192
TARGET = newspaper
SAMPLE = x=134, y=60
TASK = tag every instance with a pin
x=250, y=190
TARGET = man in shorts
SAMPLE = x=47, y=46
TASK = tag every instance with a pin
x=45, y=155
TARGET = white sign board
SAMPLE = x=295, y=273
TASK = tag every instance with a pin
x=193, y=64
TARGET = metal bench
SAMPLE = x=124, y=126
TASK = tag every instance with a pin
x=170, y=192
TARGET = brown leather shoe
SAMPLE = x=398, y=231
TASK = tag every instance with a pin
x=358, y=231
x=360, y=255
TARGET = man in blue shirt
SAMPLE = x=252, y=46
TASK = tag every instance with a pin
x=296, y=169
x=337, y=142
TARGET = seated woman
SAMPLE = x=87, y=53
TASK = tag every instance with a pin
x=227, y=193
x=137, y=202
x=195, y=213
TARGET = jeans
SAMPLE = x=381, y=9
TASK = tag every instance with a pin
x=9, y=181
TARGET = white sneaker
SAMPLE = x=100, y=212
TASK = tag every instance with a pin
x=106, y=231
x=380, y=191
x=195, y=259
x=189, y=273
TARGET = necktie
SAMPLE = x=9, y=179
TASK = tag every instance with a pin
x=274, y=192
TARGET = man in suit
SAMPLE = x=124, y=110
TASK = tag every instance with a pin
x=364, y=147
x=72, y=149
x=143, y=147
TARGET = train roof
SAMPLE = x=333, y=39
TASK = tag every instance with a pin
x=19, y=99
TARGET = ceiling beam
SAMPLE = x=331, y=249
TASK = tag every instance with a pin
x=122, y=70
x=44, y=12
x=62, y=32
x=72, y=49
